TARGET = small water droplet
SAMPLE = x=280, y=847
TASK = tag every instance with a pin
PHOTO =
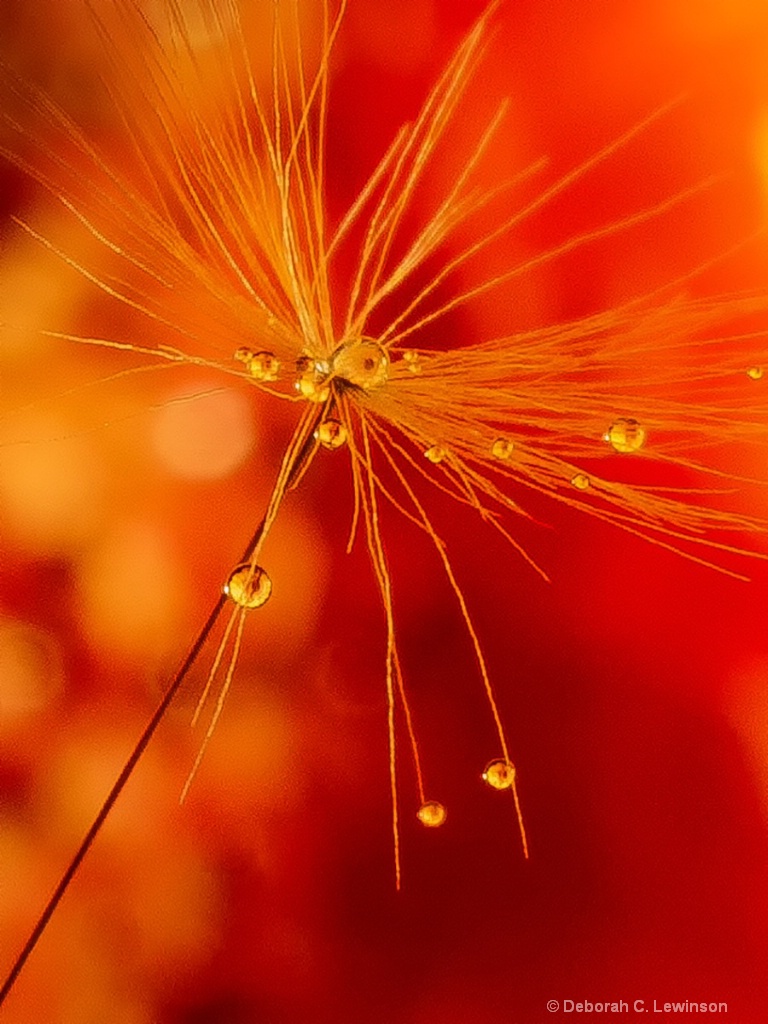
x=363, y=363
x=755, y=372
x=432, y=814
x=581, y=481
x=502, y=448
x=412, y=360
x=311, y=381
x=248, y=585
x=499, y=774
x=625, y=435
x=435, y=454
x=244, y=354
x=264, y=366
x=331, y=434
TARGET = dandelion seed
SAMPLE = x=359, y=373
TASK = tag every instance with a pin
x=213, y=231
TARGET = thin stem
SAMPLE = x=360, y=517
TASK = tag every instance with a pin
x=141, y=745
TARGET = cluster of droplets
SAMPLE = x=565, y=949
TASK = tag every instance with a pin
x=263, y=366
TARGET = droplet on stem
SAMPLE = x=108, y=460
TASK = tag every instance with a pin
x=625, y=435
x=581, y=481
x=755, y=372
x=435, y=454
x=312, y=380
x=432, y=814
x=248, y=585
x=499, y=774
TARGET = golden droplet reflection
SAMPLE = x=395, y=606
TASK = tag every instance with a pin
x=625, y=435
x=581, y=481
x=502, y=448
x=249, y=586
x=755, y=372
x=499, y=774
x=432, y=814
x=435, y=454
x=263, y=366
x=363, y=363
x=312, y=380
x=331, y=434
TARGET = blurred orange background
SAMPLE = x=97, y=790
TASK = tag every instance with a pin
x=633, y=686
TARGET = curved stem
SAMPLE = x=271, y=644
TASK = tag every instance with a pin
x=297, y=466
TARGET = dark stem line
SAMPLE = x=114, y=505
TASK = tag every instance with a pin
x=299, y=464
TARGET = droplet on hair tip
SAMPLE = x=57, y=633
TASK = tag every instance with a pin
x=331, y=434
x=432, y=814
x=499, y=774
x=581, y=481
x=625, y=435
x=755, y=372
x=249, y=586
x=435, y=454
x=502, y=449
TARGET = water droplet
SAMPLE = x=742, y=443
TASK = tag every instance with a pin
x=264, y=366
x=581, y=481
x=249, y=586
x=244, y=354
x=412, y=360
x=755, y=372
x=435, y=454
x=499, y=774
x=363, y=363
x=502, y=448
x=311, y=382
x=331, y=434
x=432, y=814
x=625, y=435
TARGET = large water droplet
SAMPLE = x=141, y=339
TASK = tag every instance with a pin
x=625, y=435
x=363, y=363
x=499, y=774
x=432, y=814
x=248, y=585
x=331, y=434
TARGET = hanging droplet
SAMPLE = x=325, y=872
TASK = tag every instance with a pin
x=412, y=360
x=625, y=435
x=312, y=379
x=363, y=363
x=432, y=814
x=755, y=372
x=502, y=448
x=581, y=481
x=499, y=774
x=435, y=454
x=331, y=434
x=249, y=586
